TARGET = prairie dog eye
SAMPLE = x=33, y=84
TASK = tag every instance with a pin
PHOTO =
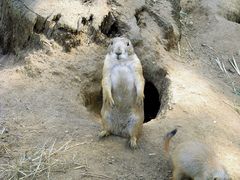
x=128, y=44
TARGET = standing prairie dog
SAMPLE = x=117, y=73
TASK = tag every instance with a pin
x=123, y=92
x=194, y=160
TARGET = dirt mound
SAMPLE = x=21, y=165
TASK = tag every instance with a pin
x=78, y=22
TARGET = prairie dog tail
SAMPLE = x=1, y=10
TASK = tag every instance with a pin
x=167, y=139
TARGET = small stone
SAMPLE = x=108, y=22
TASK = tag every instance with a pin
x=152, y=154
x=214, y=122
x=6, y=130
x=190, y=23
x=238, y=53
x=77, y=79
x=56, y=73
x=18, y=70
x=49, y=52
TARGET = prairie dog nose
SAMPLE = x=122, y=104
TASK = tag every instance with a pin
x=118, y=53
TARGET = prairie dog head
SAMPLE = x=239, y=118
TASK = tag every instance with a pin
x=120, y=48
x=219, y=174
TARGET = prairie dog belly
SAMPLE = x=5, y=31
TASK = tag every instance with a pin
x=123, y=87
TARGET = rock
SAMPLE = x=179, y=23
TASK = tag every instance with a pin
x=16, y=25
x=49, y=52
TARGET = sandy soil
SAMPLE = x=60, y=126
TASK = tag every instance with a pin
x=42, y=106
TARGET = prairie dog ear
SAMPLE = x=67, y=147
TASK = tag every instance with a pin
x=124, y=36
x=111, y=42
x=130, y=48
x=110, y=46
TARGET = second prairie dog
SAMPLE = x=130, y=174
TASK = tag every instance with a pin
x=195, y=160
x=123, y=92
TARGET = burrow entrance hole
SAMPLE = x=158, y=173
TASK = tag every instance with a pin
x=156, y=93
x=112, y=27
x=151, y=101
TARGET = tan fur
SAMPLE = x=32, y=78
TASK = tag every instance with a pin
x=123, y=92
x=195, y=160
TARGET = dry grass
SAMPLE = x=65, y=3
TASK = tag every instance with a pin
x=237, y=107
x=221, y=65
x=234, y=65
x=43, y=161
